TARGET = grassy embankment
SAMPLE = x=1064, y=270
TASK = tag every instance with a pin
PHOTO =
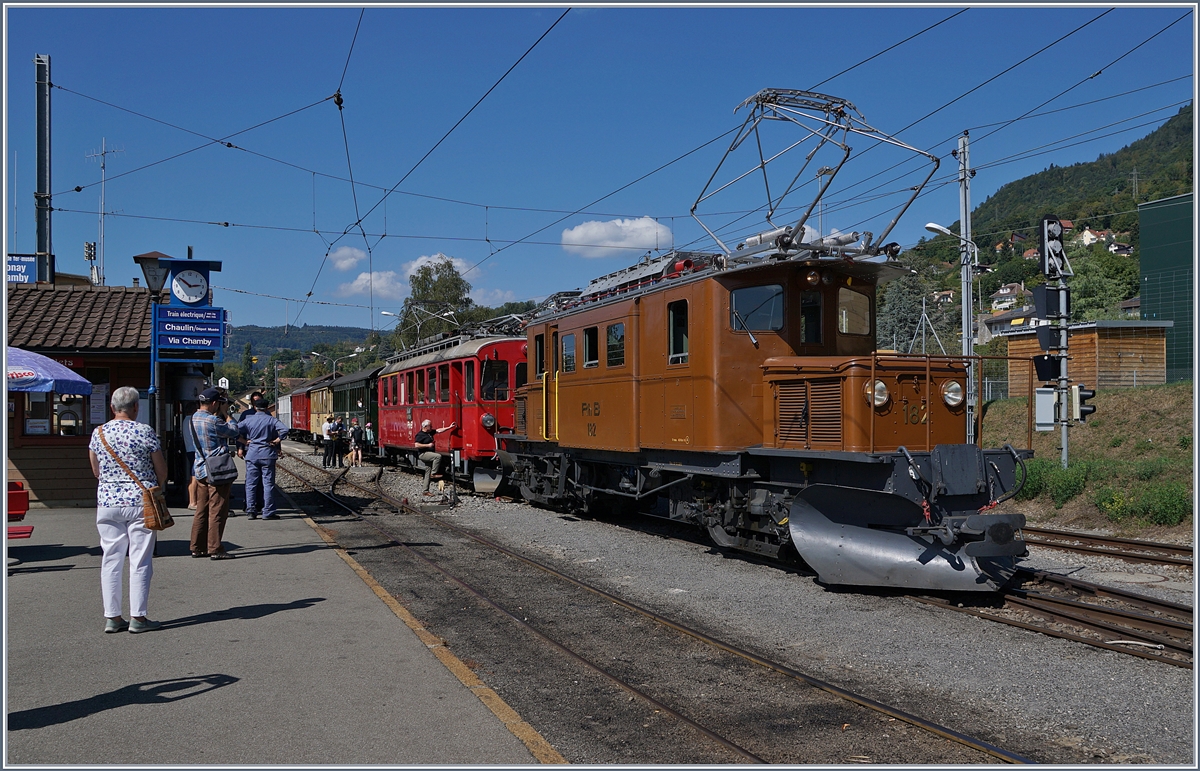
x=1130, y=466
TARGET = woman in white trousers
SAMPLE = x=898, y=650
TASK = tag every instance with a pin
x=119, y=517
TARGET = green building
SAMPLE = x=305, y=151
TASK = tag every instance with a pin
x=1167, y=241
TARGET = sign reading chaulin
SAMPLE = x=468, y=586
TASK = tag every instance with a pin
x=197, y=329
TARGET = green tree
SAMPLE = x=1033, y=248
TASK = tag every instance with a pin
x=247, y=363
x=440, y=300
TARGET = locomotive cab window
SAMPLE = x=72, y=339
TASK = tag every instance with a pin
x=493, y=385
x=615, y=344
x=756, y=308
x=444, y=383
x=383, y=386
x=410, y=394
x=568, y=353
x=591, y=347
x=420, y=387
x=397, y=389
x=522, y=374
x=677, y=332
x=431, y=389
x=854, y=312
x=810, y=317
x=469, y=380
x=539, y=356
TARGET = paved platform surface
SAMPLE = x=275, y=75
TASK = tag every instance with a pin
x=282, y=655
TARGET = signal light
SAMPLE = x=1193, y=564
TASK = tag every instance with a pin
x=1080, y=409
x=1054, y=256
x=89, y=250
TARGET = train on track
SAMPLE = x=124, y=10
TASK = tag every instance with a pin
x=738, y=390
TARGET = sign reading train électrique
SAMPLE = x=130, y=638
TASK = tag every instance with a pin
x=189, y=328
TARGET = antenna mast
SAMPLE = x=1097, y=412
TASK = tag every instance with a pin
x=99, y=280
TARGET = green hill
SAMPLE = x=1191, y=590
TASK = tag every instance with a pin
x=265, y=341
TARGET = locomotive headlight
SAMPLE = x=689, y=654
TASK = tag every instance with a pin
x=952, y=393
x=813, y=278
x=876, y=393
x=488, y=420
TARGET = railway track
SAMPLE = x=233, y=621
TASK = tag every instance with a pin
x=765, y=666
x=1126, y=549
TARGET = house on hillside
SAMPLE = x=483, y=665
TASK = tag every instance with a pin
x=1031, y=254
x=1010, y=296
x=1132, y=307
x=1124, y=250
x=1006, y=323
x=1088, y=236
x=943, y=298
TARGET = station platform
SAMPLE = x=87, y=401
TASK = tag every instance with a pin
x=283, y=655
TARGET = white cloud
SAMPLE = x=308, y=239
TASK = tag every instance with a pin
x=346, y=257
x=493, y=297
x=412, y=267
x=612, y=238
x=382, y=285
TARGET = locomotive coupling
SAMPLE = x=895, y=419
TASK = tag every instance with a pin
x=999, y=533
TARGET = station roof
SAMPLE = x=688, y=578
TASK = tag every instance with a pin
x=98, y=318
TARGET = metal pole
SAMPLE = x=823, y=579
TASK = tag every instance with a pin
x=1064, y=390
x=968, y=302
x=45, y=268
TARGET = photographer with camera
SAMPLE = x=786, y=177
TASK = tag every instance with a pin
x=213, y=428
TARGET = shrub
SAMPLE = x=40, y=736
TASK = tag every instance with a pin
x=1066, y=483
x=1037, y=470
x=1112, y=503
x=1116, y=441
x=1168, y=503
x=1146, y=470
x=1185, y=442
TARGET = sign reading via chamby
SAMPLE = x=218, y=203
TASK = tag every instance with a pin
x=22, y=268
x=194, y=329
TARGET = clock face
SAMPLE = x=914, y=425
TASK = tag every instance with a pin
x=190, y=286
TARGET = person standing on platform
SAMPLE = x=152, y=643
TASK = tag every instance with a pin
x=119, y=510
x=369, y=437
x=327, y=440
x=251, y=409
x=339, y=442
x=356, y=443
x=261, y=434
x=213, y=427
x=189, y=447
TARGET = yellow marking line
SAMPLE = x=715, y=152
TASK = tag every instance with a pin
x=537, y=745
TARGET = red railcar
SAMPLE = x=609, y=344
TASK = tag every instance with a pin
x=466, y=380
x=299, y=424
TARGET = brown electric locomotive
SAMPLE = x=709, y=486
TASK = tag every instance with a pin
x=742, y=391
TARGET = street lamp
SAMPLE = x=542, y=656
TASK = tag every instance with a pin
x=970, y=263
x=335, y=361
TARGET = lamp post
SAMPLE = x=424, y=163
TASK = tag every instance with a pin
x=333, y=360
x=970, y=263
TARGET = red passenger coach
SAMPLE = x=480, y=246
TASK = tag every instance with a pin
x=299, y=425
x=468, y=380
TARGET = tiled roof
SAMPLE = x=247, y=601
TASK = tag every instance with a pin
x=106, y=318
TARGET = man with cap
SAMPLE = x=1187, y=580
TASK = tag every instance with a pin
x=424, y=442
x=213, y=427
x=261, y=434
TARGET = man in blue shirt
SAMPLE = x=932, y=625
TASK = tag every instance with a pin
x=212, y=426
x=261, y=434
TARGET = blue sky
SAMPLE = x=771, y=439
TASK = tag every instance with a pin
x=606, y=97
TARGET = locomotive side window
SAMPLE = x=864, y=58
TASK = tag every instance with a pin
x=431, y=386
x=756, y=308
x=494, y=380
x=810, y=317
x=615, y=344
x=591, y=347
x=444, y=382
x=383, y=387
x=411, y=393
x=522, y=374
x=568, y=353
x=469, y=381
x=854, y=313
x=397, y=389
x=677, y=330
x=420, y=387
x=539, y=355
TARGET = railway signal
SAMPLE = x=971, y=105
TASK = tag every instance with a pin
x=1054, y=255
x=1080, y=409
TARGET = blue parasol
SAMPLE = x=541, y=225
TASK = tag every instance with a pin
x=29, y=371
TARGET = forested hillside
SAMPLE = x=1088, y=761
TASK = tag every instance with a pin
x=265, y=341
x=1099, y=195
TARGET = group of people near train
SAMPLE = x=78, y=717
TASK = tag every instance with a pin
x=126, y=454
x=344, y=444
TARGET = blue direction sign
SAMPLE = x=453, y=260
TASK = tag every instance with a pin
x=189, y=328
